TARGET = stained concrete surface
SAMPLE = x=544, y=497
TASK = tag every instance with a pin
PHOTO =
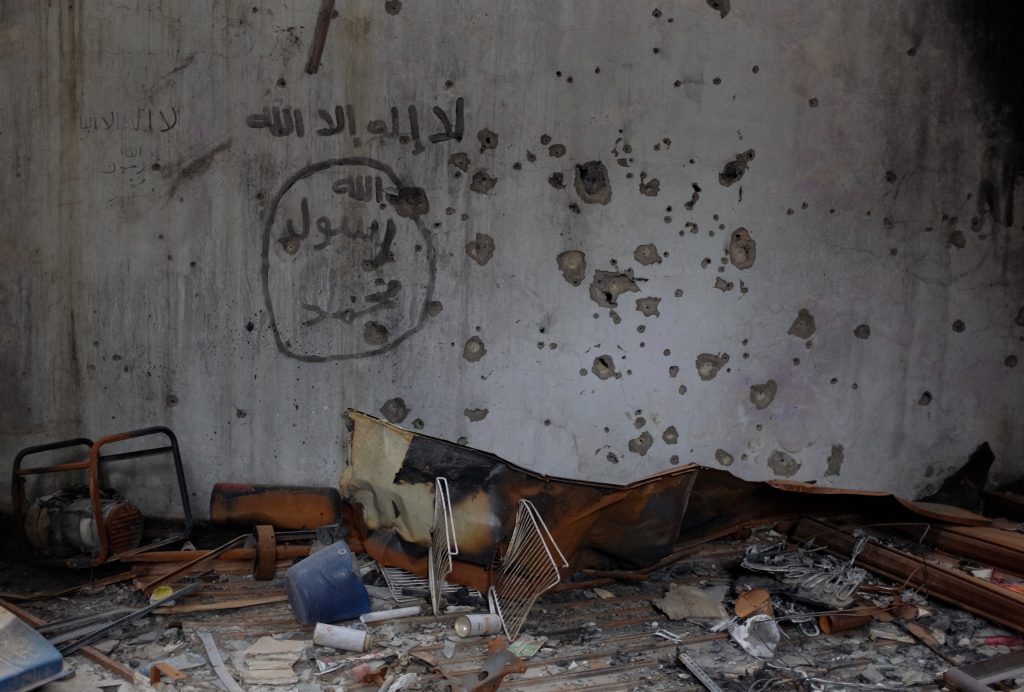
x=157, y=152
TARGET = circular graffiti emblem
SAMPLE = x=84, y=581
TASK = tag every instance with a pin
x=348, y=265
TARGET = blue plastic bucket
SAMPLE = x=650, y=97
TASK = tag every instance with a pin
x=323, y=587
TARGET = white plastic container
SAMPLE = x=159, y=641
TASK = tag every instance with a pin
x=344, y=638
x=477, y=625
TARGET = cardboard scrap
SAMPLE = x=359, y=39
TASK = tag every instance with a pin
x=269, y=661
x=684, y=601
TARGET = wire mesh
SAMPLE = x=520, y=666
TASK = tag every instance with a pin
x=443, y=543
x=530, y=567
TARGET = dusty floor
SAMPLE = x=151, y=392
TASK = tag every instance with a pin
x=601, y=639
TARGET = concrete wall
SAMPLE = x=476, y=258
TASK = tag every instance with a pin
x=614, y=236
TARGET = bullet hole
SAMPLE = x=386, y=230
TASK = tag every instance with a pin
x=708, y=365
x=755, y=69
x=552, y=346
x=547, y=422
x=667, y=219
x=558, y=73
x=476, y=414
x=716, y=81
x=394, y=410
x=705, y=262
x=670, y=436
x=789, y=212
x=762, y=395
x=742, y=249
x=834, y=380
x=434, y=308
x=459, y=160
x=890, y=177
x=803, y=326
x=573, y=265
x=674, y=459
x=723, y=457
x=583, y=372
x=517, y=166
x=733, y=170
x=530, y=156
x=640, y=329
x=464, y=217
x=603, y=367
x=171, y=400
x=483, y=182
x=597, y=70
x=606, y=287
x=853, y=386
x=926, y=398
x=796, y=361
x=481, y=249
x=592, y=184
x=835, y=461
x=958, y=326
x=667, y=352
x=557, y=181
x=656, y=14
x=647, y=254
x=640, y=445
x=1019, y=319
x=392, y=7
x=723, y=285
x=449, y=211
x=417, y=423
x=462, y=441
x=648, y=307
x=488, y=139
x=540, y=344
x=673, y=371
x=556, y=151
x=615, y=316
x=650, y=188
x=474, y=349
x=239, y=413
x=1011, y=361
x=746, y=355
x=612, y=458
x=813, y=103
x=678, y=83
x=678, y=293
x=682, y=389
x=958, y=240
x=694, y=197
x=639, y=422
x=375, y=334
x=862, y=331
x=783, y=464
x=249, y=326
x=574, y=208
x=722, y=7
x=545, y=139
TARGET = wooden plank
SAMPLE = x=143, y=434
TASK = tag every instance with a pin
x=221, y=605
x=980, y=597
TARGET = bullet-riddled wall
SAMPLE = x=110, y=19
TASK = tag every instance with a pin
x=596, y=238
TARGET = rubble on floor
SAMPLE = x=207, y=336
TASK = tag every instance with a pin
x=573, y=638
x=491, y=576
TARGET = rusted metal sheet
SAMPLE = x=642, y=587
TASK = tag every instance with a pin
x=283, y=507
x=992, y=602
x=390, y=481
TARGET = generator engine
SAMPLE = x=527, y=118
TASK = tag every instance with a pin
x=62, y=524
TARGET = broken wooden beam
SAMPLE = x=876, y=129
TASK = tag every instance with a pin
x=998, y=605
